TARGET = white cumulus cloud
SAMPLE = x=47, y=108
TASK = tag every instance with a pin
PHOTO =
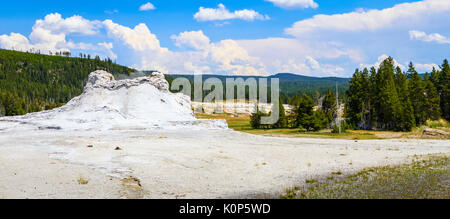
x=147, y=7
x=50, y=35
x=192, y=39
x=434, y=37
x=379, y=61
x=293, y=4
x=222, y=13
x=15, y=41
x=426, y=67
x=400, y=14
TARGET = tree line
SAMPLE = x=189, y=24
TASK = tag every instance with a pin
x=388, y=98
x=385, y=98
x=308, y=114
x=33, y=82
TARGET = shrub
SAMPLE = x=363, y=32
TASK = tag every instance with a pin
x=437, y=123
x=335, y=128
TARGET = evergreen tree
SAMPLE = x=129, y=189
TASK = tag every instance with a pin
x=358, y=104
x=295, y=100
x=417, y=95
x=319, y=120
x=372, y=89
x=354, y=102
x=407, y=121
x=444, y=89
x=282, y=119
x=329, y=106
x=255, y=118
x=390, y=109
x=34, y=107
x=434, y=77
x=432, y=104
x=304, y=113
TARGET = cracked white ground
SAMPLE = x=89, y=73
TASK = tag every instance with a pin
x=44, y=155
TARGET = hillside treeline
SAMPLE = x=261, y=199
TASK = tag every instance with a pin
x=390, y=99
x=32, y=82
x=292, y=87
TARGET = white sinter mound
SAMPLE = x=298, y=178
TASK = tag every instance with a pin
x=140, y=103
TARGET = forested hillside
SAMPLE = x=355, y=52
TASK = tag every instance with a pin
x=292, y=86
x=32, y=82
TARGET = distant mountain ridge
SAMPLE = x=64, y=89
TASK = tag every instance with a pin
x=284, y=77
x=290, y=84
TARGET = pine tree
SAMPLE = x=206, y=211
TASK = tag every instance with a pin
x=390, y=108
x=417, y=95
x=304, y=113
x=434, y=77
x=282, y=119
x=408, y=121
x=34, y=107
x=372, y=89
x=432, y=104
x=319, y=120
x=255, y=118
x=295, y=100
x=353, y=107
x=444, y=89
x=329, y=106
x=366, y=99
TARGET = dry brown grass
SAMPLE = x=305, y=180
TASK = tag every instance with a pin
x=82, y=181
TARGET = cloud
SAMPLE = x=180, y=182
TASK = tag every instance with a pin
x=192, y=39
x=144, y=49
x=223, y=56
x=308, y=66
x=138, y=47
x=15, y=41
x=222, y=13
x=233, y=58
x=55, y=24
x=143, y=46
x=50, y=35
x=140, y=38
x=115, y=11
x=398, y=15
x=434, y=37
x=147, y=7
x=426, y=67
x=418, y=66
x=294, y=4
x=108, y=48
x=380, y=60
x=301, y=56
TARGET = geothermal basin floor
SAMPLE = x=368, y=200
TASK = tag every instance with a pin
x=181, y=163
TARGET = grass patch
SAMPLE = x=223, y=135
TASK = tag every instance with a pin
x=438, y=124
x=242, y=123
x=82, y=181
x=423, y=178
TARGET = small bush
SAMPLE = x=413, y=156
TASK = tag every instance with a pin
x=335, y=128
x=82, y=181
x=301, y=129
x=437, y=123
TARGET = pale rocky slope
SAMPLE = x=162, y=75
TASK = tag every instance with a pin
x=140, y=103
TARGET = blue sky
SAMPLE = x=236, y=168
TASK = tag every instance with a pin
x=252, y=37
